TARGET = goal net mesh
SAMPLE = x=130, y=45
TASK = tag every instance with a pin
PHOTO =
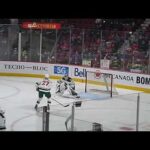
x=97, y=82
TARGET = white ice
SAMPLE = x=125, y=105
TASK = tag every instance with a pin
x=18, y=98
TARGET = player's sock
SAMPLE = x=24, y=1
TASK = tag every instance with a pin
x=36, y=106
x=48, y=107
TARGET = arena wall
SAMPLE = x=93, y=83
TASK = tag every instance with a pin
x=126, y=80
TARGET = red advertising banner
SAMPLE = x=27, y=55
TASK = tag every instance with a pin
x=36, y=25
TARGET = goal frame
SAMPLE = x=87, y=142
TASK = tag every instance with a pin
x=108, y=74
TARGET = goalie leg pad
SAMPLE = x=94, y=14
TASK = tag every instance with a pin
x=58, y=88
x=63, y=87
x=71, y=91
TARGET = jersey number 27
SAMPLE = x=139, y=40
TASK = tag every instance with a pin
x=45, y=83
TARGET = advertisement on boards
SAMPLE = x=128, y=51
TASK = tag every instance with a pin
x=61, y=70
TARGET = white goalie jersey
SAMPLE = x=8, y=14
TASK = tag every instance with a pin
x=66, y=84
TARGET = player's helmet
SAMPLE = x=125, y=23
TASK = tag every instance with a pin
x=46, y=76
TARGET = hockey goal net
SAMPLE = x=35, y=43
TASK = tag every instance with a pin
x=98, y=82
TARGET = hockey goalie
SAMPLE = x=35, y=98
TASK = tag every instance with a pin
x=66, y=84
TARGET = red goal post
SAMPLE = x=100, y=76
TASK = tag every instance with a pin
x=99, y=82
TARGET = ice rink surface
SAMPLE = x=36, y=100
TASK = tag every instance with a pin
x=18, y=97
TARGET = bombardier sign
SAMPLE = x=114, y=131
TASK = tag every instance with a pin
x=143, y=80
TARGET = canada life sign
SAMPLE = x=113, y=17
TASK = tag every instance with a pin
x=36, y=25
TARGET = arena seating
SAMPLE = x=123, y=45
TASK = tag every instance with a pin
x=125, y=42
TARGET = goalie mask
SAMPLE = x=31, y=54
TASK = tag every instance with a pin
x=66, y=76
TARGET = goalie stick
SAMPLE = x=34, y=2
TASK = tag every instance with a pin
x=60, y=103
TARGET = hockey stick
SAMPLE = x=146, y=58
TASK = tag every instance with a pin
x=60, y=103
